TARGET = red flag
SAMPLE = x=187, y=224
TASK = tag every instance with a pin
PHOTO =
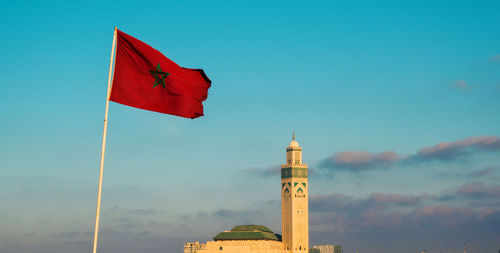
x=144, y=78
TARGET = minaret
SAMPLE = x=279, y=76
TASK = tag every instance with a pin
x=294, y=200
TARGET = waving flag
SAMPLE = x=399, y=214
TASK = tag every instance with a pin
x=144, y=78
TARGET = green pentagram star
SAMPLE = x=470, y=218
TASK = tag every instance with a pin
x=159, y=76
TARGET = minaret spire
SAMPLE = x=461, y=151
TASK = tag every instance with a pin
x=294, y=201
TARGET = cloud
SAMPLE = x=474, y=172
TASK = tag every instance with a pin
x=69, y=234
x=495, y=58
x=238, y=217
x=375, y=201
x=327, y=203
x=127, y=211
x=439, y=210
x=460, y=85
x=237, y=214
x=479, y=190
x=484, y=172
x=270, y=171
x=224, y=213
x=487, y=171
x=273, y=171
x=398, y=199
x=360, y=160
x=480, y=193
x=453, y=150
x=396, y=213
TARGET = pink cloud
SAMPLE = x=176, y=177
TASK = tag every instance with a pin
x=486, y=171
x=451, y=150
x=439, y=210
x=361, y=159
x=460, y=84
x=394, y=198
x=479, y=190
x=360, y=215
x=495, y=58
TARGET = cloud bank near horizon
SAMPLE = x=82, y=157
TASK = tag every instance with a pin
x=334, y=218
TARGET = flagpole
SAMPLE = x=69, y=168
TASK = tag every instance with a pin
x=99, y=191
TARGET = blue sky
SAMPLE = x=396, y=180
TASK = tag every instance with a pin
x=395, y=104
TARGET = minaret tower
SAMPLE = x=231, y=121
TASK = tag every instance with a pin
x=294, y=200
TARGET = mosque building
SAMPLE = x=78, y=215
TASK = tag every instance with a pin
x=294, y=218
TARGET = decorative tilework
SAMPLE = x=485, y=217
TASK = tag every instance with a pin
x=294, y=172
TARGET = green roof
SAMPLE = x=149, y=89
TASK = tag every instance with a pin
x=252, y=228
x=248, y=232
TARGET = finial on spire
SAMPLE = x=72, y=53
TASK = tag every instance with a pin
x=293, y=136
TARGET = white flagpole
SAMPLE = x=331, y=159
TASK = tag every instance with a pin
x=111, y=72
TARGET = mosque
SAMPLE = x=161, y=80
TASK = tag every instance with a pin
x=294, y=218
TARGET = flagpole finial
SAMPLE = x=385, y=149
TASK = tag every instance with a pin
x=293, y=135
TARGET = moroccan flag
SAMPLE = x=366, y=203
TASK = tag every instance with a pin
x=144, y=78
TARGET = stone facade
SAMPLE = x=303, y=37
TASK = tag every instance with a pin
x=326, y=248
x=236, y=246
